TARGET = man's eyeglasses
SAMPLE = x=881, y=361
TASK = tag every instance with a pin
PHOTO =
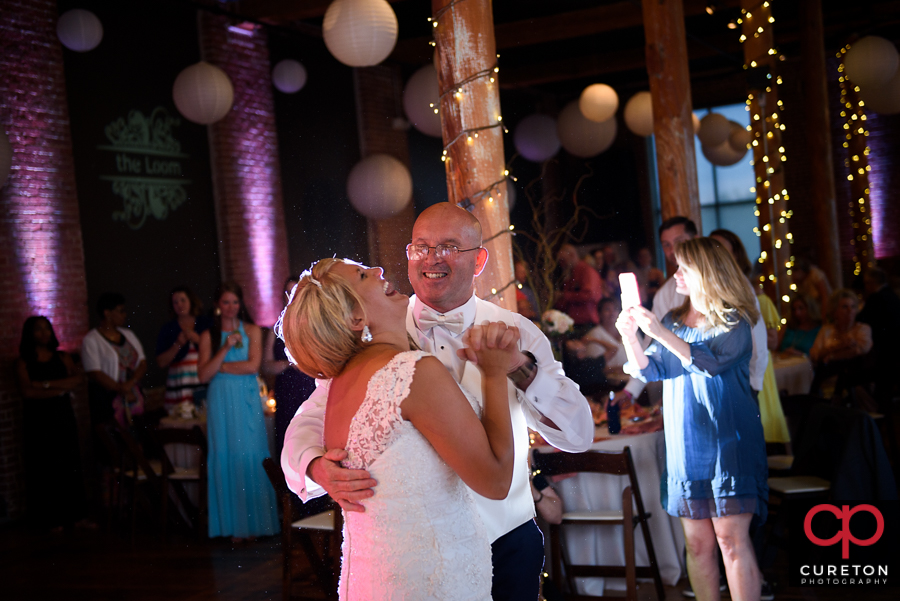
x=417, y=252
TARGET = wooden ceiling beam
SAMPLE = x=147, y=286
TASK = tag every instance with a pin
x=280, y=11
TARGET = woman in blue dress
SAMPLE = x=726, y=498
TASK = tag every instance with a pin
x=715, y=478
x=241, y=500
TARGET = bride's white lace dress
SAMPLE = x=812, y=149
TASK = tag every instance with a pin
x=421, y=537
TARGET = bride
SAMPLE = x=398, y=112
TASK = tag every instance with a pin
x=401, y=416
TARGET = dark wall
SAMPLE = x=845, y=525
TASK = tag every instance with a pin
x=164, y=234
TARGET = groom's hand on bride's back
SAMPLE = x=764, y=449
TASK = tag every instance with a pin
x=346, y=487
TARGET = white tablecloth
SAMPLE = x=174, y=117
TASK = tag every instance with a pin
x=604, y=544
x=793, y=375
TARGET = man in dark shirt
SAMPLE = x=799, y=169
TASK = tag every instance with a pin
x=882, y=313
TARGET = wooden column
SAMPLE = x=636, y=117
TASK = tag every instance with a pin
x=670, y=87
x=473, y=133
x=761, y=61
x=821, y=193
x=378, y=92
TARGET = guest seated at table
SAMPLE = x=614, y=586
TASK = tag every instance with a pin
x=841, y=345
x=241, y=499
x=715, y=478
x=292, y=386
x=803, y=325
x=581, y=290
x=811, y=281
x=47, y=377
x=177, y=348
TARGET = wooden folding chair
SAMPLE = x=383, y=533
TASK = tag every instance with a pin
x=317, y=538
x=601, y=462
x=174, y=477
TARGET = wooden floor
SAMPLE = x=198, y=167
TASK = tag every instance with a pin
x=103, y=566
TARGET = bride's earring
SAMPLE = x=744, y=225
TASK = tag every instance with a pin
x=366, y=334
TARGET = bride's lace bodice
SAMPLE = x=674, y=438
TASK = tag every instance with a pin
x=421, y=537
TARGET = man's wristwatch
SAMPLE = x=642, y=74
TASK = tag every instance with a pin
x=525, y=371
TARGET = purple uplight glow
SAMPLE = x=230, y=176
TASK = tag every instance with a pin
x=882, y=146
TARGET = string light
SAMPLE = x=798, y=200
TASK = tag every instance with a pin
x=766, y=110
x=858, y=165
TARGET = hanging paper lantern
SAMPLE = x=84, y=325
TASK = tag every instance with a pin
x=289, y=76
x=639, y=114
x=581, y=136
x=714, y=129
x=695, y=120
x=883, y=99
x=203, y=93
x=360, y=33
x=379, y=186
x=5, y=158
x=421, y=101
x=598, y=102
x=79, y=30
x=739, y=138
x=535, y=138
x=723, y=155
x=871, y=61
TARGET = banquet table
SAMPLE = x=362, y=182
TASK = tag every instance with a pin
x=793, y=374
x=604, y=544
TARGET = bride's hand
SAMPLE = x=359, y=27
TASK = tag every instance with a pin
x=494, y=346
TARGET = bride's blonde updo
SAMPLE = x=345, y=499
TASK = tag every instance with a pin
x=315, y=324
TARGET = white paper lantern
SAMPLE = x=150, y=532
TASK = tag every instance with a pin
x=79, y=30
x=723, y=155
x=535, y=138
x=714, y=129
x=581, y=136
x=695, y=121
x=871, y=61
x=739, y=138
x=360, y=33
x=421, y=99
x=289, y=76
x=203, y=93
x=379, y=186
x=639, y=114
x=598, y=102
x=5, y=158
x=883, y=99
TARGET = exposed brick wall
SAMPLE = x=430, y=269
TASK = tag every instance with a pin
x=379, y=91
x=42, y=257
x=246, y=171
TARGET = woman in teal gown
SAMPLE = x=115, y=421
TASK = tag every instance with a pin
x=715, y=478
x=242, y=502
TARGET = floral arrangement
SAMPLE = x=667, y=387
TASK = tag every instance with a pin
x=555, y=322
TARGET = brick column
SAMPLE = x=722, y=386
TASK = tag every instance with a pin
x=42, y=257
x=378, y=93
x=246, y=170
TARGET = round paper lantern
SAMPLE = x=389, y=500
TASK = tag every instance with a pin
x=723, y=155
x=883, y=99
x=379, y=186
x=79, y=30
x=695, y=121
x=5, y=157
x=421, y=98
x=360, y=33
x=598, y=102
x=739, y=138
x=714, y=129
x=289, y=76
x=871, y=61
x=639, y=114
x=581, y=136
x=203, y=93
x=535, y=138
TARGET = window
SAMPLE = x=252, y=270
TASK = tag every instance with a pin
x=726, y=201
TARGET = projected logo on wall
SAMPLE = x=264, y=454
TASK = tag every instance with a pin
x=149, y=175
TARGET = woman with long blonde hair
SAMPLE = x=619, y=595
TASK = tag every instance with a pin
x=401, y=416
x=715, y=478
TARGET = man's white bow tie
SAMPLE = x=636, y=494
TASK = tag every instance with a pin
x=452, y=321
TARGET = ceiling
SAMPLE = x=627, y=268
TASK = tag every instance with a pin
x=558, y=47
